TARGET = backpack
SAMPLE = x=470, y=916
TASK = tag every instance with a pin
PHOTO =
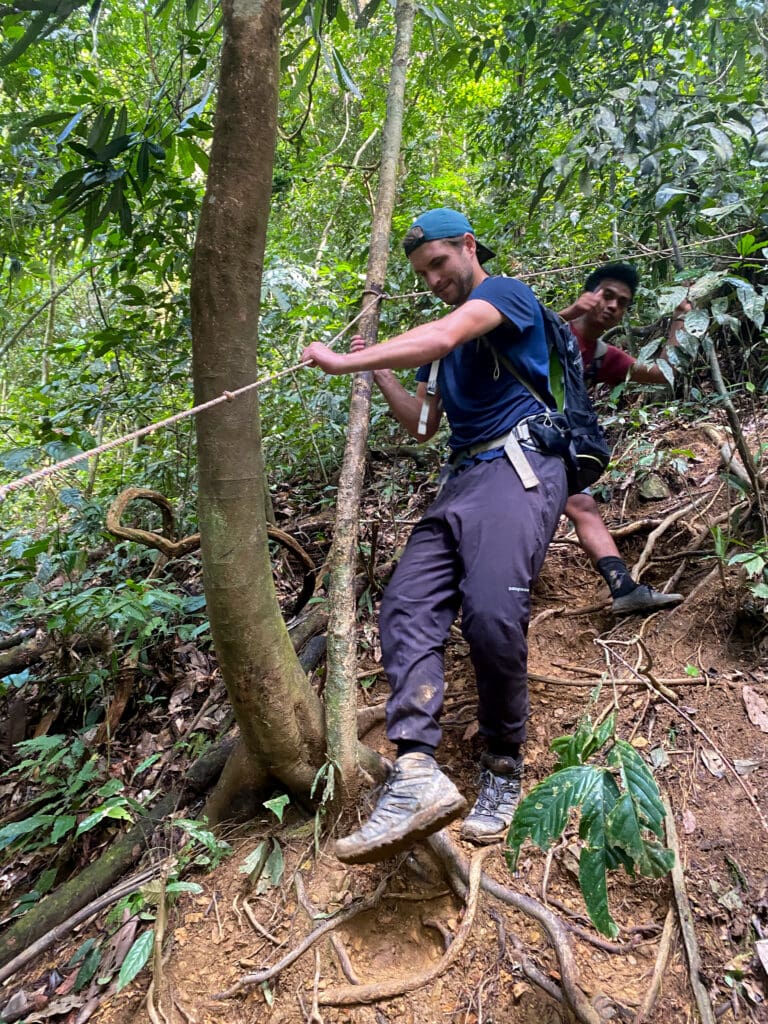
x=572, y=431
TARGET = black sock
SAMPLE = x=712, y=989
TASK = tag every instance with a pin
x=500, y=748
x=616, y=575
x=414, y=747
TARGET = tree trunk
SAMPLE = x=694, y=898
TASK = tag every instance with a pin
x=280, y=717
x=341, y=682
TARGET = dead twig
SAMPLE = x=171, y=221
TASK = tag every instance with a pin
x=391, y=988
x=659, y=967
x=686, y=922
x=258, y=927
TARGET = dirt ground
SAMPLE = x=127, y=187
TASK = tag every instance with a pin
x=710, y=760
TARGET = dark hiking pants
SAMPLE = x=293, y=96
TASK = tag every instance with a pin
x=479, y=548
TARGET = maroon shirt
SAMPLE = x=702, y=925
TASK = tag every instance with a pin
x=613, y=363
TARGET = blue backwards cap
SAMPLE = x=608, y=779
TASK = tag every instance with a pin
x=443, y=222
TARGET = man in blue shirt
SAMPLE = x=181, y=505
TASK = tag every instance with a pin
x=480, y=545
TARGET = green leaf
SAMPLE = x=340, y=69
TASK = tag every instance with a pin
x=563, y=84
x=63, y=824
x=594, y=885
x=640, y=786
x=17, y=829
x=544, y=813
x=277, y=805
x=272, y=874
x=135, y=960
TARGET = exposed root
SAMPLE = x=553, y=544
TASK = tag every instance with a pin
x=376, y=991
x=658, y=969
x=686, y=922
x=556, y=929
x=359, y=907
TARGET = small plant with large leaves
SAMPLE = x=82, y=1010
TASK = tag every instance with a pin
x=622, y=816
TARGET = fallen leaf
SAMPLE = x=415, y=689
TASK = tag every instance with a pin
x=639, y=742
x=761, y=948
x=689, y=822
x=744, y=766
x=714, y=763
x=757, y=708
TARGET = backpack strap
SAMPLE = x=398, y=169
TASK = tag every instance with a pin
x=431, y=392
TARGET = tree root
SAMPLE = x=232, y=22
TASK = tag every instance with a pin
x=359, y=907
x=574, y=997
x=662, y=956
x=686, y=922
x=390, y=989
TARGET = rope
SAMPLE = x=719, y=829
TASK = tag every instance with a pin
x=226, y=396
x=229, y=396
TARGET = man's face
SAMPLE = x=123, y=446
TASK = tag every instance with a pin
x=615, y=299
x=446, y=269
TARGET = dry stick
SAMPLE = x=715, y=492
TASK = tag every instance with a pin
x=391, y=988
x=686, y=921
x=536, y=677
x=662, y=956
x=557, y=930
x=124, y=888
x=248, y=980
x=697, y=728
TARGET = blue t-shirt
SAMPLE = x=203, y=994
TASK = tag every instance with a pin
x=481, y=398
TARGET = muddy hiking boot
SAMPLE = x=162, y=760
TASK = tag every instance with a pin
x=643, y=599
x=417, y=800
x=500, y=786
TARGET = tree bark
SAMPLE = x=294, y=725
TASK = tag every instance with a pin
x=280, y=718
x=341, y=682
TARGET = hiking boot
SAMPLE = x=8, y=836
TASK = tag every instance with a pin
x=417, y=800
x=500, y=785
x=643, y=599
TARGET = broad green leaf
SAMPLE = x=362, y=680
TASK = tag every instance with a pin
x=64, y=823
x=594, y=886
x=136, y=958
x=544, y=813
x=17, y=829
x=640, y=786
x=697, y=322
x=277, y=805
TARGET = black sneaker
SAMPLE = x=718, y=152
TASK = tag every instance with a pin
x=417, y=800
x=644, y=599
x=500, y=787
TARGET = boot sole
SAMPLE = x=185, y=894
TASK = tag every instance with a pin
x=420, y=826
x=644, y=609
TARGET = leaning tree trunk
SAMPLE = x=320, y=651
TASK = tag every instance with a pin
x=341, y=681
x=280, y=717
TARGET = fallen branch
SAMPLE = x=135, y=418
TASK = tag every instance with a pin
x=686, y=922
x=393, y=987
